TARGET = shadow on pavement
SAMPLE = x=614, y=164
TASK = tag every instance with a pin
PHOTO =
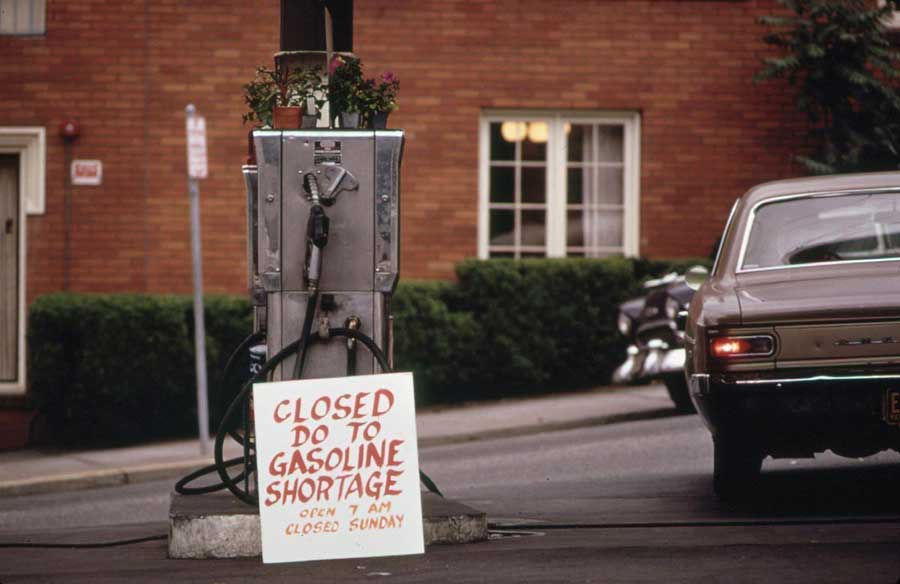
x=811, y=492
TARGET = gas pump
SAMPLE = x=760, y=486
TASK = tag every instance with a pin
x=323, y=208
x=328, y=241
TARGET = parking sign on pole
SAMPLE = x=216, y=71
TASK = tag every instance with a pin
x=197, y=169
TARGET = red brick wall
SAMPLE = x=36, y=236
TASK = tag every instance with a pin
x=708, y=133
x=126, y=70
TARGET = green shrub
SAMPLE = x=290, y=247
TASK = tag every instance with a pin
x=546, y=323
x=120, y=368
x=110, y=368
x=433, y=341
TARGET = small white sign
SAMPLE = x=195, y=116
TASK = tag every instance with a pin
x=87, y=172
x=338, y=468
x=196, y=147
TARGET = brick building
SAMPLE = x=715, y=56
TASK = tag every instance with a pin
x=580, y=127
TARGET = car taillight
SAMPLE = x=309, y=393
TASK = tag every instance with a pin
x=748, y=346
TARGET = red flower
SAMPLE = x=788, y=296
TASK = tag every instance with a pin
x=336, y=62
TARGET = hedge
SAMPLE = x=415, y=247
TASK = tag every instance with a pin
x=109, y=369
x=120, y=368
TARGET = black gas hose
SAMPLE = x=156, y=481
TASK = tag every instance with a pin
x=221, y=465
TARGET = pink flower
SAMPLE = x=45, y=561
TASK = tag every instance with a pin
x=388, y=77
x=336, y=62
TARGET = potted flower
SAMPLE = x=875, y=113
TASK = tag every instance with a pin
x=282, y=98
x=383, y=100
x=346, y=93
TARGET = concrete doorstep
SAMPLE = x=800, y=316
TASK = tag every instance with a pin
x=220, y=526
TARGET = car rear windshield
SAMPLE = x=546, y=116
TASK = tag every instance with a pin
x=824, y=229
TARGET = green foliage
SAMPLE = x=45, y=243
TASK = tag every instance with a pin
x=838, y=55
x=349, y=91
x=273, y=88
x=117, y=369
x=517, y=327
x=345, y=83
x=434, y=341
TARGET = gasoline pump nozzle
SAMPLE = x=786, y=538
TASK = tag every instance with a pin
x=316, y=235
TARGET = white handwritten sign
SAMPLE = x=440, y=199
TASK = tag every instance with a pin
x=338, y=468
x=196, y=147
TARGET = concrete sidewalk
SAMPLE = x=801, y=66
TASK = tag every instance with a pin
x=36, y=471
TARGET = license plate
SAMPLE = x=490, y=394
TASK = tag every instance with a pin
x=891, y=408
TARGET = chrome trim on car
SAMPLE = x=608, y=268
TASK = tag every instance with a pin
x=814, y=379
x=814, y=195
x=699, y=383
x=731, y=214
x=673, y=361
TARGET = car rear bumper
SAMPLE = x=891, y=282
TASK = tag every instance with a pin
x=649, y=363
x=797, y=416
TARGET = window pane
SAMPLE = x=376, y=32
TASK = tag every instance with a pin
x=534, y=185
x=532, y=150
x=22, y=16
x=574, y=229
x=595, y=186
x=534, y=227
x=575, y=185
x=503, y=254
x=502, y=227
x=534, y=254
x=596, y=143
x=580, y=136
x=7, y=16
x=500, y=148
x=609, y=144
x=598, y=228
x=825, y=229
x=503, y=184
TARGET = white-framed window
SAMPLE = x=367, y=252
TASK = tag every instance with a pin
x=894, y=20
x=556, y=184
x=23, y=17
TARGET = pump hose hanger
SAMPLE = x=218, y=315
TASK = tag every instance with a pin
x=236, y=421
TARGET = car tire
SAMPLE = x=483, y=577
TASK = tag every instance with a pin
x=736, y=468
x=677, y=387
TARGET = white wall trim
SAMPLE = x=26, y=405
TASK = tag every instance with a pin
x=483, y=186
x=632, y=217
x=29, y=144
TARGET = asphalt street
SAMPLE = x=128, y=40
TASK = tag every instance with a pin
x=629, y=501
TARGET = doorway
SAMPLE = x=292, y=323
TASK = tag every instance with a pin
x=9, y=268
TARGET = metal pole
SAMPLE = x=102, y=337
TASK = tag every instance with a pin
x=199, y=326
x=67, y=215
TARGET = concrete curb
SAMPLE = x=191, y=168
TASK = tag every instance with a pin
x=111, y=477
x=107, y=477
x=653, y=414
x=219, y=526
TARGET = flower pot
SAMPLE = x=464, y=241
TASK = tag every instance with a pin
x=286, y=118
x=309, y=121
x=349, y=119
x=379, y=120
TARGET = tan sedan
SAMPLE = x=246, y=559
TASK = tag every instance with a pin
x=793, y=339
